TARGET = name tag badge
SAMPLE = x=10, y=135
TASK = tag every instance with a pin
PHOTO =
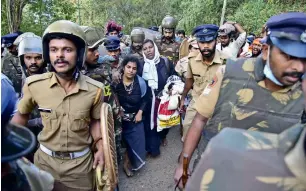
x=44, y=110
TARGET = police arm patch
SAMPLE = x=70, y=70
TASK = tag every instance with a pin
x=213, y=82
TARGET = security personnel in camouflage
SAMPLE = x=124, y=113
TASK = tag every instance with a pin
x=167, y=45
x=248, y=160
x=32, y=63
x=258, y=94
x=112, y=45
x=102, y=73
x=137, y=38
x=10, y=62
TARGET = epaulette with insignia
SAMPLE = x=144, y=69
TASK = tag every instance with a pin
x=38, y=77
x=94, y=82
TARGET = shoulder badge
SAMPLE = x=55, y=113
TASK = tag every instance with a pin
x=213, y=81
x=94, y=82
x=38, y=77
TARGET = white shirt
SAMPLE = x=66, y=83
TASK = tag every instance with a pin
x=233, y=48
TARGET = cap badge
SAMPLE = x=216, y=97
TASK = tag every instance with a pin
x=205, y=31
x=303, y=37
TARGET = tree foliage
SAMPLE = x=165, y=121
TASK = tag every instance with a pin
x=38, y=14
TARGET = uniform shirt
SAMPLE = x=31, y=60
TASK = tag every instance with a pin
x=169, y=49
x=11, y=68
x=66, y=127
x=182, y=64
x=240, y=160
x=202, y=73
x=231, y=51
x=206, y=103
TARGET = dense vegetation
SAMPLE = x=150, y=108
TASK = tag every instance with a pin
x=35, y=15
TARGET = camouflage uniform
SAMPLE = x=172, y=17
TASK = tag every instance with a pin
x=248, y=160
x=169, y=49
x=137, y=36
x=12, y=69
x=102, y=73
x=239, y=98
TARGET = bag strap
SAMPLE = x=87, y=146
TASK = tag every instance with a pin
x=143, y=86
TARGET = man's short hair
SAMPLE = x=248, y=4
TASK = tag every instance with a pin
x=181, y=32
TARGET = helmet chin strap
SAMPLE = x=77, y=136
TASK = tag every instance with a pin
x=75, y=74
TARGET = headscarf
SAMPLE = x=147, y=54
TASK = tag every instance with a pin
x=149, y=69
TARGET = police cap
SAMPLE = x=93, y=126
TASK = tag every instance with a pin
x=112, y=43
x=287, y=31
x=8, y=40
x=205, y=33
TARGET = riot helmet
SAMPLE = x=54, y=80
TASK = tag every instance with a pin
x=29, y=45
x=137, y=36
x=67, y=30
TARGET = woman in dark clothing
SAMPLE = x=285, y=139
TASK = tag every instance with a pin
x=131, y=92
x=155, y=71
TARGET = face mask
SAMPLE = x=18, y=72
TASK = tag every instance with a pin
x=268, y=72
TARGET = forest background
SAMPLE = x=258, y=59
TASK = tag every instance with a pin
x=36, y=15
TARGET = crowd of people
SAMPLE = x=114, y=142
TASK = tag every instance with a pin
x=55, y=85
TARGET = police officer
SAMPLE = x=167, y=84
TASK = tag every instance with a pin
x=112, y=45
x=102, y=73
x=182, y=64
x=137, y=38
x=266, y=161
x=32, y=63
x=17, y=173
x=167, y=45
x=10, y=62
x=262, y=93
x=70, y=104
x=30, y=56
x=201, y=69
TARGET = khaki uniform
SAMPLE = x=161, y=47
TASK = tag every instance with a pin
x=66, y=126
x=182, y=64
x=202, y=74
x=237, y=159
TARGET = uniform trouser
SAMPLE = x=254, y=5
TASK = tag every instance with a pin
x=190, y=114
x=69, y=174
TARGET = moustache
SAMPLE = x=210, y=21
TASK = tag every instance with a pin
x=60, y=61
x=33, y=66
x=293, y=74
x=206, y=50
x=138, y=47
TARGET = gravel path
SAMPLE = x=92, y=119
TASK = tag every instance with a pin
x=157, y=174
